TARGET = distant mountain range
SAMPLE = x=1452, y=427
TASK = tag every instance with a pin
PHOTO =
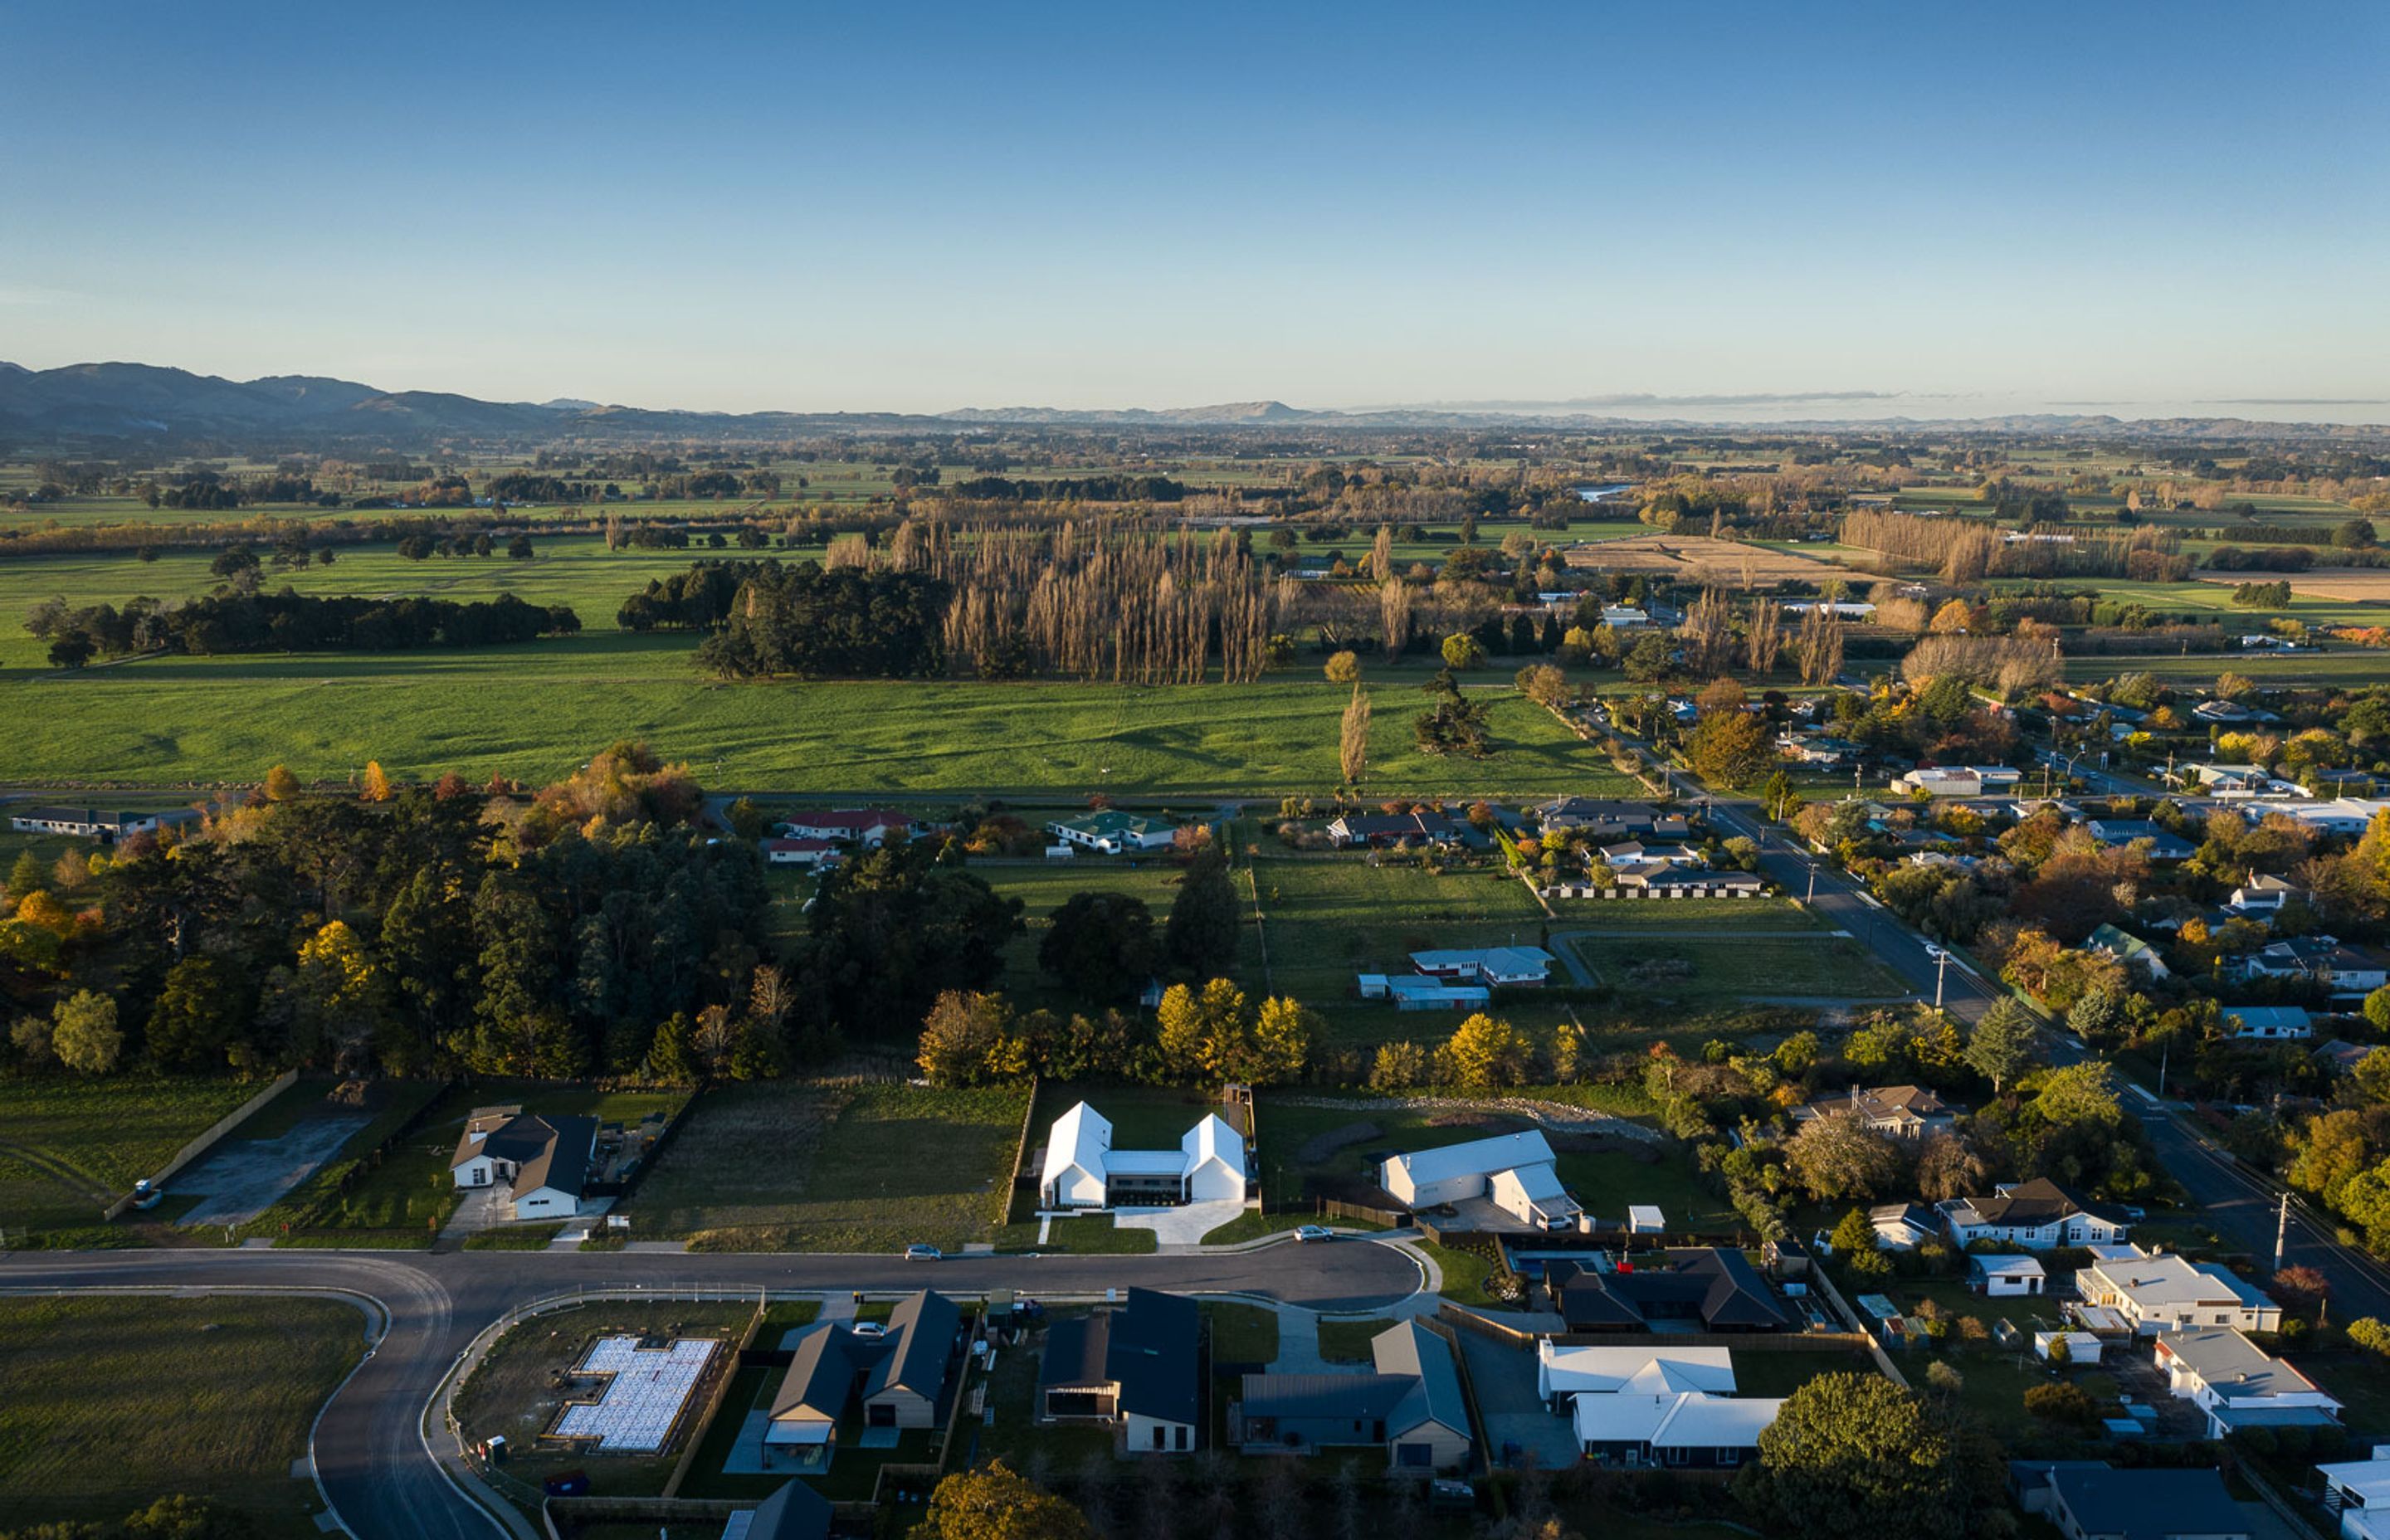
x=98, y=403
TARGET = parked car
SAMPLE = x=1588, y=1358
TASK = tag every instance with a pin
x=1314, y=1232
x=923, y=1253
x=869, y=1328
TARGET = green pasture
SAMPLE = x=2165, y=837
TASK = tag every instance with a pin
x=2342, y=667
x=1704, y=970
x=109, y=1404
x=536, y=711
x=70, y=1147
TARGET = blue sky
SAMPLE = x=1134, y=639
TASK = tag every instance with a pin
x=920, y=206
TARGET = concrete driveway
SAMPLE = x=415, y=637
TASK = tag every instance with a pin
x=241, y=1179
x=1184, y=1226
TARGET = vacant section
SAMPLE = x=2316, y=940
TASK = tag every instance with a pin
x=107, y=1404
x=69, y=1147
x=872, y=1166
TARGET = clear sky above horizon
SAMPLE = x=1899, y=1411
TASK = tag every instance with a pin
x=1726, y=211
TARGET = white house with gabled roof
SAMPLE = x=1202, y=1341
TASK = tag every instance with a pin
x=1083, y=1170
x=1516, y=1172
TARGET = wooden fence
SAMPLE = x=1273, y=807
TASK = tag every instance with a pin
x=694, y=1429
x=207, y=1141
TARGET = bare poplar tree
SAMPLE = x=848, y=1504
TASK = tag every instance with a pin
x=1395, y=614
x=1766, y=637
x=1381, y=554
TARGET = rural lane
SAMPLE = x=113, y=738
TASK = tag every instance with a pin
x=384, y=1484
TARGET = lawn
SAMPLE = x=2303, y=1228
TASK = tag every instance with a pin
x=1694, y=915
x=1095, y=1235
x=536, y=710
x=1241, y=1333
x=1043, y=890
x=91, y=1428
x=69, y=1147
x=1335, y=1143
x=1464, y=1275
x=1607, y=1181
x=1347, y=1341
x=869, y=1167
x=1701, y=971
x=1778, y=1374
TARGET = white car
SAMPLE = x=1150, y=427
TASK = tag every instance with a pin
x=869, y=1328
x=923, y=1253
x=1314, y=1232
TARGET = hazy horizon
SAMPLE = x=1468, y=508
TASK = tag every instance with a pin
x=1873, y=211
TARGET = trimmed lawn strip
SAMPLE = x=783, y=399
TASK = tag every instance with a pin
x=513, y=1237
x=1347, y=1341
x=1241, y=1333
x=1464, y=1275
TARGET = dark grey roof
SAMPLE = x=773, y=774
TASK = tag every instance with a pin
x=2039, y=1201
x=1408, y=1349
x=1720, y=1286
x=563, y=1159
x=921, y=1340
x=1361, y=1397
x=795, y=1512
x=2148, y=1505
x=1147, y=1348
x=820, y=1375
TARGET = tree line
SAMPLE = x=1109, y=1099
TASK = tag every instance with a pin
x=289, y=622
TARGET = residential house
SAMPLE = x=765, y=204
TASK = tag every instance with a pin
x=2270, y=1023
x=2343, y=1057
x=1817, y=753
x=1898, y=1111
x=2342, y=816
x=1134, y=1369
x=1904, y=1226
x=2225, y=712
x=2344, y=970
x=1665, y=880
x=2090, y=1500
x=2165, y=847
x=1083, y=1170
x=2005, y=1276
x=1624, y=617
x=546, y=1160
x=1381, y=830
x=897, y=1380
x=1720, y=1289
x=1494, y=966
x=2239, y=781
x=1603, y=818
x=1686, y=1429
x=2128, y=949
x=1960, y=780
x=85, y=823
x=2160, y=1291
x=2358, y=1491
x=1417, y=992
x=1565, y=1372
x=868, y=826
x=795, y=1512
x=2238, y=1385
x=1411, y=1406
x=809, y=853
x=2264, y=894
x=2038, y=1215
x=1516, y=1172
x=1109, y=832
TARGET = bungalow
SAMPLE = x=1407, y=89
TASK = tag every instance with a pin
x=2128, y=949
x=1109, y=832
x=2342, y=1057
x=1411, y=1406
x=1825, y=753
x=2038, y=1215
x=2262, y=894
x=544, y=1161
x=1514, y=1172
x=897, y=1379
x=870, y=827
x=1383, y=829
x=2238, y=780
x=1605, y=818
x=1083, y=1170
x=1904, y=1226
x=2005, y=1276
x=1961, y=780
x=1492, y=966
x=2160, y=1291
x=2343, y=969
x=2223, y=711
x=1686, y=1429
x=1417, y=992
x=2164, y=846
x=2238, y=1385
x=2270, y=1023
x=812, y=853
x=2346, y=815
x=2089, y=1500
x=1563, y=1373
x=1899, y=1111
x=1624, y=617
x=1665, y=880
x=1134, y=1369
x=1720, y=1289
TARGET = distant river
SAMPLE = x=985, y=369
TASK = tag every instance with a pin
x=1603, y=494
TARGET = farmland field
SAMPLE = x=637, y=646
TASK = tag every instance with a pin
x=2344, y=666
x=874, y=1167
x=1699, y=558
x=536, y=710
x=1701, y=970
x=69, y=1147
x=107, y=1404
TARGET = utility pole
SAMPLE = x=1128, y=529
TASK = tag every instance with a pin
x=2281, y=1230
x=1813, y=884
x=1941, y=966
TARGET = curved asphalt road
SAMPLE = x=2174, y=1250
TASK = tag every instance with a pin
x=369, y=1453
